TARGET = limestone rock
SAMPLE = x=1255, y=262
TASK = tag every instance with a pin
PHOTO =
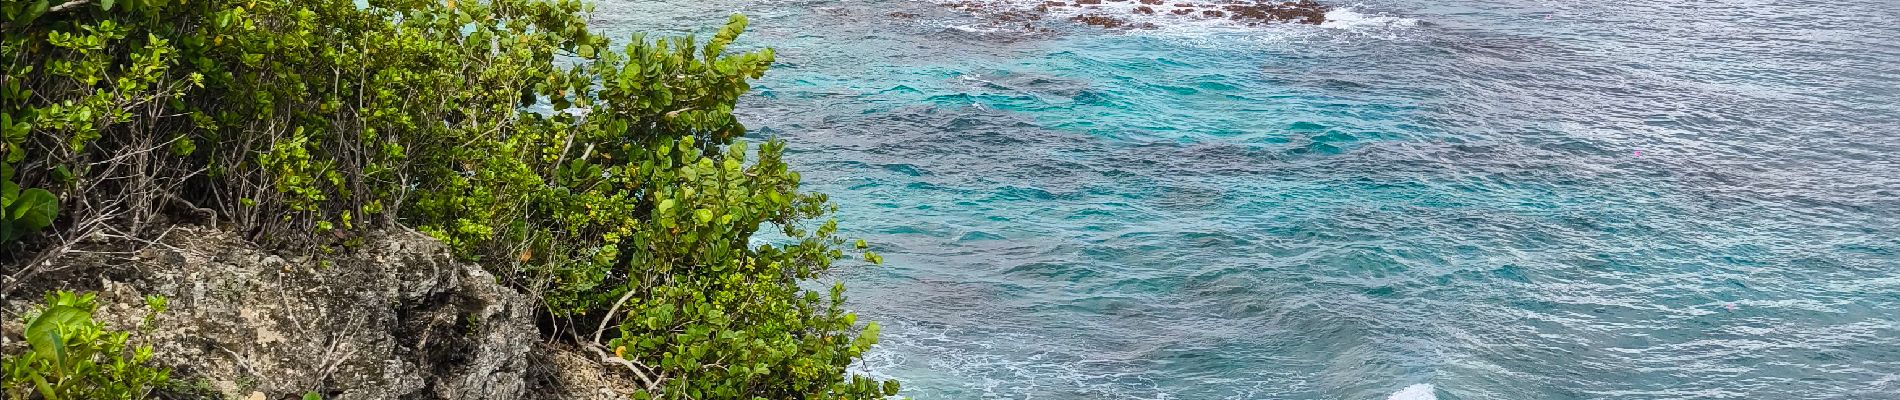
x=395, y=318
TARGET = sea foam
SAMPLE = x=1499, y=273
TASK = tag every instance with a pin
x=1349, y=17
x=1422, y=391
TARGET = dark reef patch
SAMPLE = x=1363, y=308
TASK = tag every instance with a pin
x=1140, y=14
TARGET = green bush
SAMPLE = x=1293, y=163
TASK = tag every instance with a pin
x=610, y=184
x=70, y=356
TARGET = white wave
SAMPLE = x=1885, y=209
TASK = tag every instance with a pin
x=1422, y=391
x=1349, y=18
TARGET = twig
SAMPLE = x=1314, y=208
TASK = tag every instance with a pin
x=330, y=360
x=239, y=360
x=206, y=213
x=85, y=228
x=564, y=149
x=630, y=364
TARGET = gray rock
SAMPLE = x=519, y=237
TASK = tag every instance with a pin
x=395, y=318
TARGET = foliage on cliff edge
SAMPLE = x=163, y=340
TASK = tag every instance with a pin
x=609, y=182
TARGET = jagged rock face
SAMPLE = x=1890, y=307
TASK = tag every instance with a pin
x=396, y=318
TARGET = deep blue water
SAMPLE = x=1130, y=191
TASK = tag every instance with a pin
x=1505, y=199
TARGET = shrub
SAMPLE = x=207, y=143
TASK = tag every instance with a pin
x=611, y=184
x=70, y=356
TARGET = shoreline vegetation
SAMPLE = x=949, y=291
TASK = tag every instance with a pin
x=314, y=129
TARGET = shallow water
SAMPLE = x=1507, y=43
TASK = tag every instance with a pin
x=1504, y=199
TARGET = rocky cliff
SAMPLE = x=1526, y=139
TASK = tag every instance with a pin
x=394, y=318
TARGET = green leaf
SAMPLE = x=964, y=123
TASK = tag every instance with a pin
x=59, y=350
x=8, y=192
x=15, y=153
x=43, y=332
x=106, y=5
x=34, y=209
x=63, y=174
x=33, y=11
x=45, y=389
x=312, y=396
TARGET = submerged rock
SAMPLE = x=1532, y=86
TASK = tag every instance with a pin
x=1141, y=14
x=1099, y=20
x=1303, y=11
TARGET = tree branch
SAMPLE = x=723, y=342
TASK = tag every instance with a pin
x=610, y=315
x=66, y=5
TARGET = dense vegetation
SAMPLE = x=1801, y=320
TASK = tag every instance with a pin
x=611, y=185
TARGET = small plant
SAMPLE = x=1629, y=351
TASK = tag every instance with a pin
x=71, y=356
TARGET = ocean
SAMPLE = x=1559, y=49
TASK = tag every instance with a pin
x=1488, y=199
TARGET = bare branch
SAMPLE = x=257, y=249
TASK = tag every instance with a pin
x=68, y=5
x=610, y=315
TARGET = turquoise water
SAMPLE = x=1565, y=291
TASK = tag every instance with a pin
x=1504, y=199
